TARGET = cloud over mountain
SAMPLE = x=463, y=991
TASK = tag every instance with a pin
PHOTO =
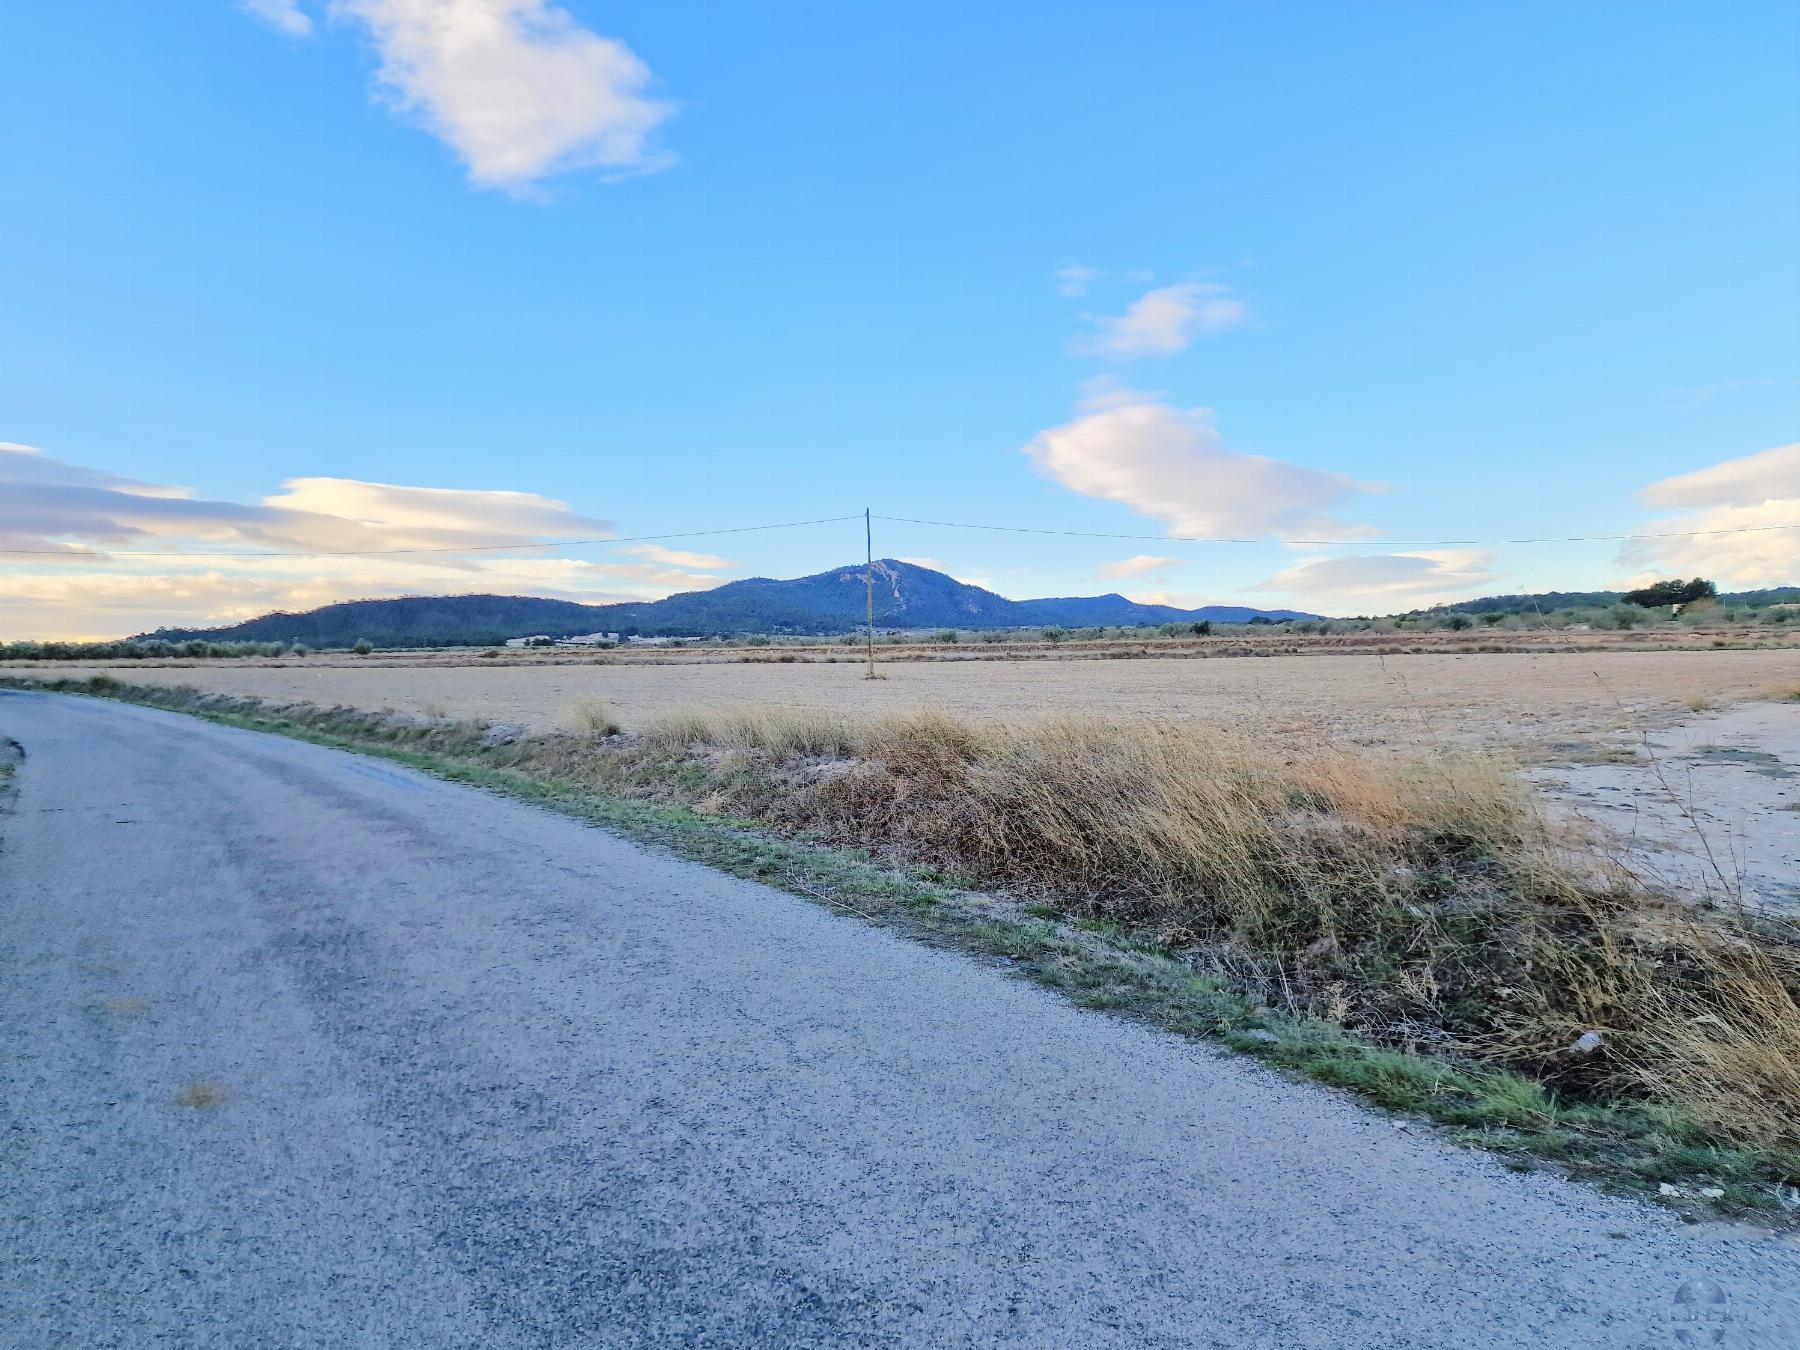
x=78, y=536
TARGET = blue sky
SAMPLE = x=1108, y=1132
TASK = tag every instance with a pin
x=1446, y=270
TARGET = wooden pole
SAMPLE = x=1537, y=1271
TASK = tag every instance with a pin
x=869, y=589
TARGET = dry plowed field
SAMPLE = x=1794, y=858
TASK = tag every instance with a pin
x=1513, y=698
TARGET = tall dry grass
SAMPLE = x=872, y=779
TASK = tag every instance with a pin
x=1422, y=902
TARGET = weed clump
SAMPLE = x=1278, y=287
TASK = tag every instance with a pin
x=1428, y=904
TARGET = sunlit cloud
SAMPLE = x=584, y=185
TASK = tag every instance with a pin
x=111, y=556
x=519, y=89
x=1171, y=464
x=1747, y=495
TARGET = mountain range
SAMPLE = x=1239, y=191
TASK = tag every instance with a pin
x=906, y=596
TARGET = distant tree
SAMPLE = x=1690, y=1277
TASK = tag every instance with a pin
x=1054, y=635
x=363, y=647
x=1459, y=622
x=1671, y=593
x=1203, y=628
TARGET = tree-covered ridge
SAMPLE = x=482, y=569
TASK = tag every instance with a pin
x=906, y=596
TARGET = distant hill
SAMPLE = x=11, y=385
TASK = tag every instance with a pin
x=1549, y=601
x=906, y=596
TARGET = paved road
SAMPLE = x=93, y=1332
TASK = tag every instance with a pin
x=483, y=1076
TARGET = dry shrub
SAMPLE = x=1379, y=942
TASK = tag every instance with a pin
x=775, y=732
x=1722, y=1035
x=592, y=716
x=1425, y=902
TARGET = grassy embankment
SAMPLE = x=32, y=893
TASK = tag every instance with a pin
x=1417, y=933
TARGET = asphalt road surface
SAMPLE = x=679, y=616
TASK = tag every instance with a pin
x=303, y=1049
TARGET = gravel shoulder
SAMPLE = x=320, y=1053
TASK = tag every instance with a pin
x=307, y=1049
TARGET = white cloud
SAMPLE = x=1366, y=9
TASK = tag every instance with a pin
x=285, y=15
x=1165, y=321
x=1384, y=583
x=72, y=587
x=675, y=557
x=49, y=504
x=517, y=88
x=1142, y=565
x=1172, y=465
x=1753, y=480
x=419, y=517
x=1074, y=279
x=1748, y=494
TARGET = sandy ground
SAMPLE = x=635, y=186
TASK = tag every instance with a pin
x=1709, y=806
x=1513, y=699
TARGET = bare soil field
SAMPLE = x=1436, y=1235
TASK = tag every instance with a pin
x=1549, y=704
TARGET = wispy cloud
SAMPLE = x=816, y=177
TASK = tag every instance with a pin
x=51, y=504
x=676, y=557
x=1164, y=321
x=1705, y=393
x=1143, y=565
x=1171, y=464
x=284, y=15
x=1384, y=583
x=1074, y=279
x=517, y=88
x=86, y=527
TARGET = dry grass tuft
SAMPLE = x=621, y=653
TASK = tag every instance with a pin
x=592, y=716
x=1424, y=903
x=770, y=731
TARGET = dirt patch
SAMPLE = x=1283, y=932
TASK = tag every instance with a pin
x=1708, y=805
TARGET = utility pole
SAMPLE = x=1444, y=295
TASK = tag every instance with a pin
x=869, y=588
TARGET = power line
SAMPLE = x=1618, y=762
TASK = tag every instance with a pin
x=901, y=520
x=465, y=548
x=1338, y=543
